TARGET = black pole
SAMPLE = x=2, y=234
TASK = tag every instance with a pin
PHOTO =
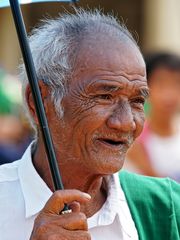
x=74, y=3
x=33, y=81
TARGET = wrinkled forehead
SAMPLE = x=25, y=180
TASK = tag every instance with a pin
x=102, y=52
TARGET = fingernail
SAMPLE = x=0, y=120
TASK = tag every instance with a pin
x=86, y=195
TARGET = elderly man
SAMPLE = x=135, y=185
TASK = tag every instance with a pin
x=93, y=84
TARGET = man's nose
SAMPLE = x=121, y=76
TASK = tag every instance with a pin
x=122, y=118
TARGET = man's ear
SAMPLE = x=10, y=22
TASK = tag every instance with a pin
x=44, y=89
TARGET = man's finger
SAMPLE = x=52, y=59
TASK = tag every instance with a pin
x=75, y=206
x=73, y=221
x=76, y=222
x=56, y=202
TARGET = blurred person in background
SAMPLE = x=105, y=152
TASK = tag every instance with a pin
x=15, y=133
x=157, y=151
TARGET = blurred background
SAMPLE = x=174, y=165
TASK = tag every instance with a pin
x=155, y=24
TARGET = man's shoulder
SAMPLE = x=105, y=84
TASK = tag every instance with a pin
x=148, y=185
x=142, y=180
x=153, y=202
x=154, y=194
x=9, y=171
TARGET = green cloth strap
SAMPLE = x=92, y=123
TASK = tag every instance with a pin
x=154, y=204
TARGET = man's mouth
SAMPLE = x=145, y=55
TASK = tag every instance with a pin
x=113, y=143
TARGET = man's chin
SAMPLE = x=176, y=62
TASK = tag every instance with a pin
x=115, y=169
x=111, y=167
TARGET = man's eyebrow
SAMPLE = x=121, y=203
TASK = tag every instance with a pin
x=113, y=88
x=106, y=88
x=144, y=92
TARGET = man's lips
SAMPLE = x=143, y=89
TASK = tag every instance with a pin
x=114, y=143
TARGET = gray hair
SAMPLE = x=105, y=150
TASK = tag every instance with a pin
x=55, y=44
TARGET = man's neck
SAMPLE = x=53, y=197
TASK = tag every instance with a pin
x=73, y=178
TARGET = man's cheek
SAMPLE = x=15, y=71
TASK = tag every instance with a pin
x=139, y=120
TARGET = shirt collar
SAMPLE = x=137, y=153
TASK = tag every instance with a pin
x=34, y=189
x=115, y=206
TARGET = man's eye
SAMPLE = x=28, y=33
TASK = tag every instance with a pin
x=138, y=101
x=104, y=96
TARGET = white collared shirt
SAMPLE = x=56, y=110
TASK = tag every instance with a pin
x=23, y=194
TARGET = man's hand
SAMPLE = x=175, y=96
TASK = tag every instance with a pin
x=50, y=225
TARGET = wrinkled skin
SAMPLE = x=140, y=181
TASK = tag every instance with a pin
x=50, y=225
x=103, y=114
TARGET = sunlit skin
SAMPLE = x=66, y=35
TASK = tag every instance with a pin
x=103, y=114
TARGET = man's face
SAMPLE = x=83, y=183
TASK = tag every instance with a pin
x=103, y=109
